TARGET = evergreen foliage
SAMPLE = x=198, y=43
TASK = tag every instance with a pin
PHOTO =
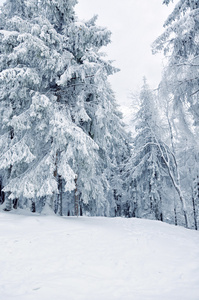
x=61, y=136
x=149, y=170
x=62, y=141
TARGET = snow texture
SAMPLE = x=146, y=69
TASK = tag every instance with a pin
x=48, y=258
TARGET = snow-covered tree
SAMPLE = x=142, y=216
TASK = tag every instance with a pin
x=144, y=170
x=180, y=44
x=61, y=135
x=180, y=85
x=152, y=171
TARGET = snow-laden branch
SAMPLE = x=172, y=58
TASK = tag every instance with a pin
x=176, y=182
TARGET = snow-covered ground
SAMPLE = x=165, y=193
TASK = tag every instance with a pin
x=54, y=258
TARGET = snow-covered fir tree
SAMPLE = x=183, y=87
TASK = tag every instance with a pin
x=151, y=173
x=61, y=135
x=144, y=171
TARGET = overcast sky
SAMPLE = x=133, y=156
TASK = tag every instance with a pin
x=135, y=25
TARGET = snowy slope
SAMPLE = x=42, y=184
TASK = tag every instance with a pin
x=54, y=258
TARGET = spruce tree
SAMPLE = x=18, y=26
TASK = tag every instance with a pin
x=145, y=169
x=61, y=135
x=152, y=173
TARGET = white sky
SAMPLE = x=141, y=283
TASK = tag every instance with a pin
x=135, y=25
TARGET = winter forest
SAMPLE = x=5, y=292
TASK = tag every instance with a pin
x=64, y=145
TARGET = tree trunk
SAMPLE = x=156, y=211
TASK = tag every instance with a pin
x=178, y=190
x=2, y=194
x=76, y=199
x=194, y=214
x=60, y=196
x=176, y=182
x=175, y=214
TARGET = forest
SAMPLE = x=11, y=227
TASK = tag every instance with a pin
x=63, y=143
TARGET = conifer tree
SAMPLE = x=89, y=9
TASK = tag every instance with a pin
x=60, y=132
x=145, y=169
x=152, y=173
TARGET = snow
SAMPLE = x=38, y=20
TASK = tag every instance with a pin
x=8, y=33
x=53, y=258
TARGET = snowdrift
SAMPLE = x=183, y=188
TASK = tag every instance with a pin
x=54, y=258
